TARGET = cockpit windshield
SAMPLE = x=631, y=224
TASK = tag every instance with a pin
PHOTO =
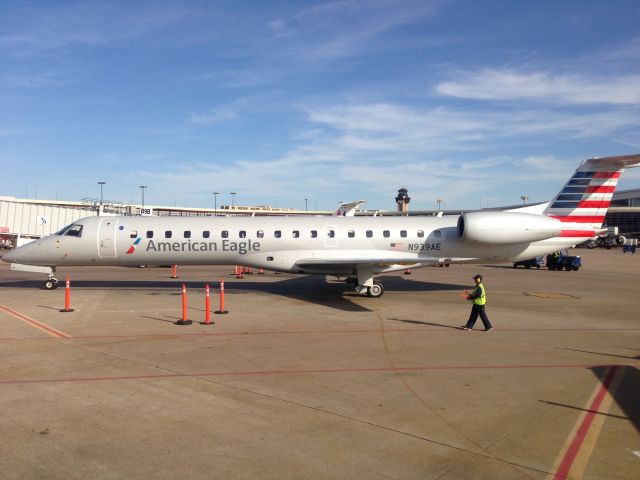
x=72, y=230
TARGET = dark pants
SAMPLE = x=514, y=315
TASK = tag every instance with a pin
x=475, y=311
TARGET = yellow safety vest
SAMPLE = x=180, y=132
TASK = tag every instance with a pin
x=482, y=299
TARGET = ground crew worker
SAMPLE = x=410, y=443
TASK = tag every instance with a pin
x=479, y=298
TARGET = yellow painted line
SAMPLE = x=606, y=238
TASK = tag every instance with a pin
x=34, y=323
x=572, y=460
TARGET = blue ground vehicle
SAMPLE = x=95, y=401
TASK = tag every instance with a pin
x=531, y=262
x=562, y=260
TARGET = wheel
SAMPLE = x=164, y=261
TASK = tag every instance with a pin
x=514, y=265
x=50, y=284
x=527, y=266
x=376, y=290
x=575, y=269
x=568, y=268
x=538, y=267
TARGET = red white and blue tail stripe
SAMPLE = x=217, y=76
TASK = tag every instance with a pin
x=583, y=202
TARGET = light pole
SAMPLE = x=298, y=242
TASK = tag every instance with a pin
x=215, y=203
x=100, y=207
x=524, y=199
x=306, y=203
x=142, y=189
x=233, y=197
x=439, y=201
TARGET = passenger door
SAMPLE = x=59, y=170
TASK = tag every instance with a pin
x=107, y=237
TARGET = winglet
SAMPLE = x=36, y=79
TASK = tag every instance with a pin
x=348, y=209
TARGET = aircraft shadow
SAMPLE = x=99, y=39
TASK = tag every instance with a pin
x=311, y=288
x=626, y=395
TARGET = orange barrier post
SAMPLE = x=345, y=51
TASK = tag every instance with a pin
x=239, y=272
x=67, y=297
x=174, y=271
x=207, y=307
x=222, y=311
x=185, y=320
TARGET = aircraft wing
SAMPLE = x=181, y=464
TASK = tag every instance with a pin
x=347, y=266
x=382, y=261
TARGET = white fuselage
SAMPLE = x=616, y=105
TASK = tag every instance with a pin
x=323, y=245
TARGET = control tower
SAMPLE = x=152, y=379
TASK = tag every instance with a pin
x=402, y=200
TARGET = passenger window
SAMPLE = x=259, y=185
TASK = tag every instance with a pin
x=420, y=234
x=296, y=234
x=133, y=234
x=206, y=234
x=167, y=234
x=242, y=234
x=386, y=234
x=331, y=233
x=351, y=234
x=277, y=234
x=314, y=234
x=187, y=234
x=149, y=233
x=403, y=233
x=74, y=231
x=369, y=233
x=260, y=234
x=437, y=233
x=224, y=233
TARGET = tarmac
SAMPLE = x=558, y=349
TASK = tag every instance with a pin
x=304, y=378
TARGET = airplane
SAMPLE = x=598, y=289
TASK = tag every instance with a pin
x=355, y=247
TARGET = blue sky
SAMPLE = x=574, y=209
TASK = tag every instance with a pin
x=471, y=102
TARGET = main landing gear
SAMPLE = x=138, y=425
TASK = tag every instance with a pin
x=364, y=283
x=376, y=290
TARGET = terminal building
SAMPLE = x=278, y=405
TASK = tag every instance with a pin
x=30, y=218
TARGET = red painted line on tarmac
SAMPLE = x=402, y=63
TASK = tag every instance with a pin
x=572, y=452
x=327, y=332
x=293, y=372
x=34, y=323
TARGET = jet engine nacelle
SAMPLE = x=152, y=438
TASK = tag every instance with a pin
x=502, y=228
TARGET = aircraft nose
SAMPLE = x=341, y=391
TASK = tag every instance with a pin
x=26, y=254
x=10, y=256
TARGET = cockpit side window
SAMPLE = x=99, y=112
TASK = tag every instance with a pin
x=74, y=231
x=64, y=230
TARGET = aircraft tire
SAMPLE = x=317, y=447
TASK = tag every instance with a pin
x=376, y=290
x=50, y=285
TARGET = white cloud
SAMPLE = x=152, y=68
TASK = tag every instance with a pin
x=277, y=24
x=213, y=116
x=491, y=84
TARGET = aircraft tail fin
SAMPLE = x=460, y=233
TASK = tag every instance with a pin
x=583, y=202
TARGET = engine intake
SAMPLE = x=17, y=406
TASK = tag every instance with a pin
x=502, y=228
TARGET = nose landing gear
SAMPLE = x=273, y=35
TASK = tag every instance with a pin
x=52, y=282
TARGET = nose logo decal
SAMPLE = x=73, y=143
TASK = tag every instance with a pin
x=132, y=248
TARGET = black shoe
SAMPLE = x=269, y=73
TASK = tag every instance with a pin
x=464, y=327
x=489, y=329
